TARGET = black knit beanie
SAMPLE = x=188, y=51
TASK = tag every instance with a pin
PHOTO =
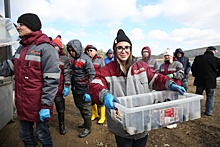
x=121, y=37
x=31, y=20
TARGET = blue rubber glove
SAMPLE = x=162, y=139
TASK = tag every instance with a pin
x=44, y=114
x=170, y=76
x=178, y=88
x=108, y=101
x=66, y=91
x=86, y=97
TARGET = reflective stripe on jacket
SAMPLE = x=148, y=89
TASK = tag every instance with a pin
x=175, y=68
x=139, y=79
x=64, y=61
x=37, y=73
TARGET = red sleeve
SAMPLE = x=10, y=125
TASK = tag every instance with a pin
x=99, y=83
x=159, y=79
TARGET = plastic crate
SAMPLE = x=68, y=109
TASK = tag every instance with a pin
x=143, y=112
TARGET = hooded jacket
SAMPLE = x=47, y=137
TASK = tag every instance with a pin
x=107, y=59
x=81, y=69
x=150, y=60
x=37, y=74
x=184, y=60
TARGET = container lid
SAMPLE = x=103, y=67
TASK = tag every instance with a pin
x=9, y=34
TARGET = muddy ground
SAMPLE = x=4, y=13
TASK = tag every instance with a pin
x=202, y=132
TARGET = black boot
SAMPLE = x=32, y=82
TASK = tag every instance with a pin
x=62, y=128
x=61, y=123
x=84, y=133
x=86, y=115
x=60, y=106
x=81, y=126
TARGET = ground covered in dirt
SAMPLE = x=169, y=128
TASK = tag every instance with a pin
x=203, y=132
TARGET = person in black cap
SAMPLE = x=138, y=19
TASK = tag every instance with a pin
x=35, y=67
x=123, y=77
x=205, y=69
x=30, y=20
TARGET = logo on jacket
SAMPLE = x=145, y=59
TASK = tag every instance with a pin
x=139, y=70
x=34, y=52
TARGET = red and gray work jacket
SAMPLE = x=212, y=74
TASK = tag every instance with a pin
x=35, y=66
x=139, y=79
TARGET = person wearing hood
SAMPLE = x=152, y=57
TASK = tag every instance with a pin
x=82, y=73
x=35, y=67
x=146, y=57
x=98, y=62
x=205, y=69
x=173, y=69
x=123, y=77
x=109, y=56
x=179, y=54
x=59, y=100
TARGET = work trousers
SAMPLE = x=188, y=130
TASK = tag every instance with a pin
x=84, y=108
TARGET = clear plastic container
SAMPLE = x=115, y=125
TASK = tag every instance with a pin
x=143, y=112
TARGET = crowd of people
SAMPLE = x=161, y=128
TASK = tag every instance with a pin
x=44, y=75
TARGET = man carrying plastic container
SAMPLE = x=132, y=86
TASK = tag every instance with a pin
x=122, y=77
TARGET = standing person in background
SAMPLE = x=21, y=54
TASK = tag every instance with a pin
x=35, y=67
x=109, y=56
x=179, y=54
x=59, y=36
x=173, y=69
x=146, y=57
x=123, y=77
x=98, y=62
x=59, y=100
x=82, y=73
x=205, y=69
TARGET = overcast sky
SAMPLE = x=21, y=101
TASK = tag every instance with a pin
x=159, y=24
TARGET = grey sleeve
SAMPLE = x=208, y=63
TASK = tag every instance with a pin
x=102, y=95
x=179, y=74
x=102, y=63
x=67, y=72
x=168, y=83
x=156, y=65
x=90, y=70
x=51, y=75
